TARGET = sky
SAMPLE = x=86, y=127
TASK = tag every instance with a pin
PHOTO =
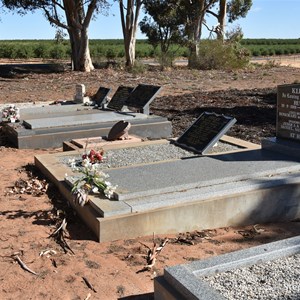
x=266, y=19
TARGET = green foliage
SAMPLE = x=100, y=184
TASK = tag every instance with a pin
x=238, y=9
x=214, y=54
x=138, y=68
x=58, y=52
x=162, y=27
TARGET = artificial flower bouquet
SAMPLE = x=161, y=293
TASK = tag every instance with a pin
x=10, y=114
x=92, y=179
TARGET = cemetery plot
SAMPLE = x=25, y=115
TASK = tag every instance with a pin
x=101, y=96
x=142, y=96
x=119, y=98
x=205, y=132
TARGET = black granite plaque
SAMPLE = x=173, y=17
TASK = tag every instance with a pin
x=288, y=112
x=205, y=132
x=142, y=96
x=101, y=95
x=119, y=98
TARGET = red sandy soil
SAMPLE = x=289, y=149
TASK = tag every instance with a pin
x=112, y=270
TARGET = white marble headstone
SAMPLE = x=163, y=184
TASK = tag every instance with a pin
x=80, y=94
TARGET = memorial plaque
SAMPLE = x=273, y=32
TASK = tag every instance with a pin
x=119, y=98
x=288, y=112
x=205, y=132
x=142, y=96
x=101, y=95
x=119, y=131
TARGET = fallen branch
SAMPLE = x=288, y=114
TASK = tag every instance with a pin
x=23, y=265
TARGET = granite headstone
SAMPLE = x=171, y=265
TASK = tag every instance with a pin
x=288, y=112
x=101, y=96
x=205, y=132
x=142, y=96
x=119, y=98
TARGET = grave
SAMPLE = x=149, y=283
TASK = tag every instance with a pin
x=205, y=132
x=244, y=186
x=186, y=281
x=287, y=140
x=51, y=125
x=119, y=98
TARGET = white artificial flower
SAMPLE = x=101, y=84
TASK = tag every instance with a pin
x=95, y=189
x=72, y=163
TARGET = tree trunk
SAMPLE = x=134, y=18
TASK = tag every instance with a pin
x=81, y=59
x=129, y=28
x=196, y=35
x=78, y=24
x=130, y=51
x=222, y=19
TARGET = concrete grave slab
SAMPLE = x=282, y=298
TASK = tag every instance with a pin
x=88, y=118
x=100, y=142
x=238, y=188
x=196, y=172
x=53, y=125
x=185, y=281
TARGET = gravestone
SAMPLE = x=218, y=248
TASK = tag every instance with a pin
x=142, y=96
x=287, y=140
x=119, y=98
x=80, y=94
x=119, y=131
x=205, y=132
x=288, y=112
x=101, y=96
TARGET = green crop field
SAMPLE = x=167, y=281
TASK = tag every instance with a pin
x=114, y=49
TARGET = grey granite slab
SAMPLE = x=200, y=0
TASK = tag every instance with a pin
x=108, y=208
x=195, y=172
x=142, y=204
x=186, y=279
x=36, y=112
x=81, y=119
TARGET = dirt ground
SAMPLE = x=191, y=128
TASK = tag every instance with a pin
x=115, y=270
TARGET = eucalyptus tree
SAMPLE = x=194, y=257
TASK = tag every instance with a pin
x=195, y=12
x=231, y=10
x=163, y=26
x=72, y=15
x=129, y=19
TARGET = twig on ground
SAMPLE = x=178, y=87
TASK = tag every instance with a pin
x=58, y=235
x=88, y=284
x=153, y=253
x=23, y=265
x=48, y=252
x=88, y=296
